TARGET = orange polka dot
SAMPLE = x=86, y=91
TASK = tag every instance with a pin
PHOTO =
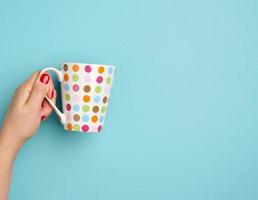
x=75, y=68
x=66, y=77
x=69, y=126
x=94, y=118
x=101, y=69
x=86, y=98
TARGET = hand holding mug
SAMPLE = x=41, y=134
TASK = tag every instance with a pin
x=85, y=92
x=28, y=108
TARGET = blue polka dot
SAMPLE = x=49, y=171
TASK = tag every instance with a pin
x=110, y=70
x=97, y=99
x=85, y=118
x=67, y=87
x=76, y=107
x=101, y=119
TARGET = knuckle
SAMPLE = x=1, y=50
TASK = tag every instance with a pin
x=19, y=89
x=40, y=89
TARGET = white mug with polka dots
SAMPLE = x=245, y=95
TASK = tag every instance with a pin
x=85, y=91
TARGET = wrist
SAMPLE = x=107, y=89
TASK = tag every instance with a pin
x=8, y=144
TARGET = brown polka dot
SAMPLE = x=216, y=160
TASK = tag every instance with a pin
x=95, y=109
x=86, y=98
x=76, y=117
x=105, y=99
x=94, y=118
x=69, y=126
x=65, y=67
x=66, y=77
x=87, y=88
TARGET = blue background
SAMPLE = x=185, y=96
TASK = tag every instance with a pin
x=183, y=117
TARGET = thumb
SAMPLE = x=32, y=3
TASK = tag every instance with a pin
x=39, y=90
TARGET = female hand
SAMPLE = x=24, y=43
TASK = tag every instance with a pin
x=28, y=108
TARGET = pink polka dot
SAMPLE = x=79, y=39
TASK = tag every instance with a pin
x=87, y=68
x=76, y=87
x=76, y=98
x=99, y=79
x=94, y=128
x=99, y=128
x=68, y=107
x=87, y=78
x=107, y=90
x=85, y=128
x=69, y=117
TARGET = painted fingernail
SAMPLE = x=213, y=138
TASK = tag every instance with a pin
x=52, y=94
x=43, y=117
x=44, y=78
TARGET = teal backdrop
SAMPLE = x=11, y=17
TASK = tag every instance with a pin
x=183, y=117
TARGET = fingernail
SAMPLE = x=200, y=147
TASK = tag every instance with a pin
x=43, y=117
x=44, y=78
x=52, y=94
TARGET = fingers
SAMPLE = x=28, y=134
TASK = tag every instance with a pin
x=23, y=91
x=46, y=108
x=39, y=90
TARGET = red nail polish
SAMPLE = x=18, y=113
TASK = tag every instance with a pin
x=52, y=94
x=43, y=117
x=44, y=78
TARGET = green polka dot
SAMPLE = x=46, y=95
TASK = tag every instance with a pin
x=76, y=127
x=86, y=108
x=109, y=80
x=98, y=89
x=103, y=109
x=75, y=77
x=67, y=97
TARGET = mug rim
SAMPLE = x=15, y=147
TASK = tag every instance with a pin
x=104, y=65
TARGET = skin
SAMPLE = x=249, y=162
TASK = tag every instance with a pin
x=27, y=110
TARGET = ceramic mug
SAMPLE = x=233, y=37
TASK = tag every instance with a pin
x=85, y=92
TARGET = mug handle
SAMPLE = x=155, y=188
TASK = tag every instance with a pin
x=60, y=79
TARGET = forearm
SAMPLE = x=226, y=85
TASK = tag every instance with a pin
x=8, y=152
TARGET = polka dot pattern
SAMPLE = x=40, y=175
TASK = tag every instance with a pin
x=65, y=67
x=99, y=79
x=68, y=107
x=66, y=77
x=75, y=78
x=67, y=97
x=75, y=68
x=85, y=118
x=86, y=98
x=86, y=91
x=87, y=88
x=69, y=126
x=100, y=69
x=98, y=89
x=67, y=87
x=101, y=119
x=76, y=117
x=76, y=108
x=95, y=109
x=76, y=87
x=86, y=108
x=85, y=128
x=87, y=68
x=94, y=118
x=105, y=99
x=96, y=99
